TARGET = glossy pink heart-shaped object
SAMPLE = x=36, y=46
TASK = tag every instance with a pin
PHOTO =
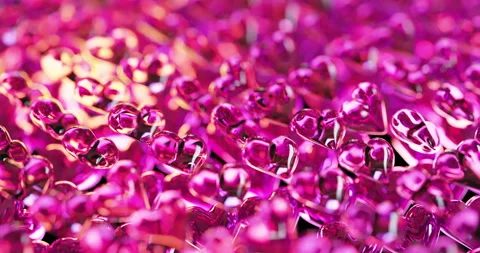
x=462, y=222
x=468, y=153
x=142, y=124
x=273, y=218
x=182, y=154
x=48, y=114
x=278, y=157
x=82, y=143
x=98, y=97
x=323, y=194
x=447, y=166
x=411, y=128
x=200, y=220
x=423, y=227
x=366, y=111
x=374, y=158
x=450, y=103
x=324, y=128
x=12, y=150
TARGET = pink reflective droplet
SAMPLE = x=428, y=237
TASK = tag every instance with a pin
x=165, y=146
x=234, y=182
x=278, y=157
x=472, y=75
x=448, y=166
x=324, y=128
x=450, y=103
x=123, y=118
x=468, y=153
x=48, y=114
x=411, y=128
x=230, y=119
x=78, y=140
x=184, y=154
x=205, y=184
x=102, y=154
x=422, y=226
x=140, y=124
x=366, y=111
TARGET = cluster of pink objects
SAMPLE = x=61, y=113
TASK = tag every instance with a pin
x=146, y=126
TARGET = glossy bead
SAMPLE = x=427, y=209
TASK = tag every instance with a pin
x=165, y=146
x=468, y=153
x=97, y=237
x=231, y=120
x=422, y=226
x=130, y=68
x=434, y=195
x=448, y=166
x=67, y=244
x=37, y=175
x=205, y=183
x=472, y=75
x=78, y=140
x=88, y=91
x=304, y=187
x=450, y=103
x=14, y=151
x=45, y=210
x=115, y=201
x=144, y=223
x=235, y=182
x=366, y=111
x=158, y=67
x=277, y=101
x=4, y=138
x=113, y=47
x=324, y=128
x=40, y=247
x=124, y=173
x=390, y=227
x=361, y=219
x=273, y=219
x=140, y=124
x=16, y=83
x=201, y=220
x=98, y=153
x=374, y=158
x=187, y=88
x=17, y=151
x=48, y=114
x=152, y=183
x=102, y=154
x=100, y=97
x=193, y=153
x=336, y=231
x=410, y=182
x=464, y=226
x=324, y=66
x=238, y=69
x=227, y=86
x=173, y=208
x=278, y=157
x=184, y=154
x=411, y=128
x=10, y=178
